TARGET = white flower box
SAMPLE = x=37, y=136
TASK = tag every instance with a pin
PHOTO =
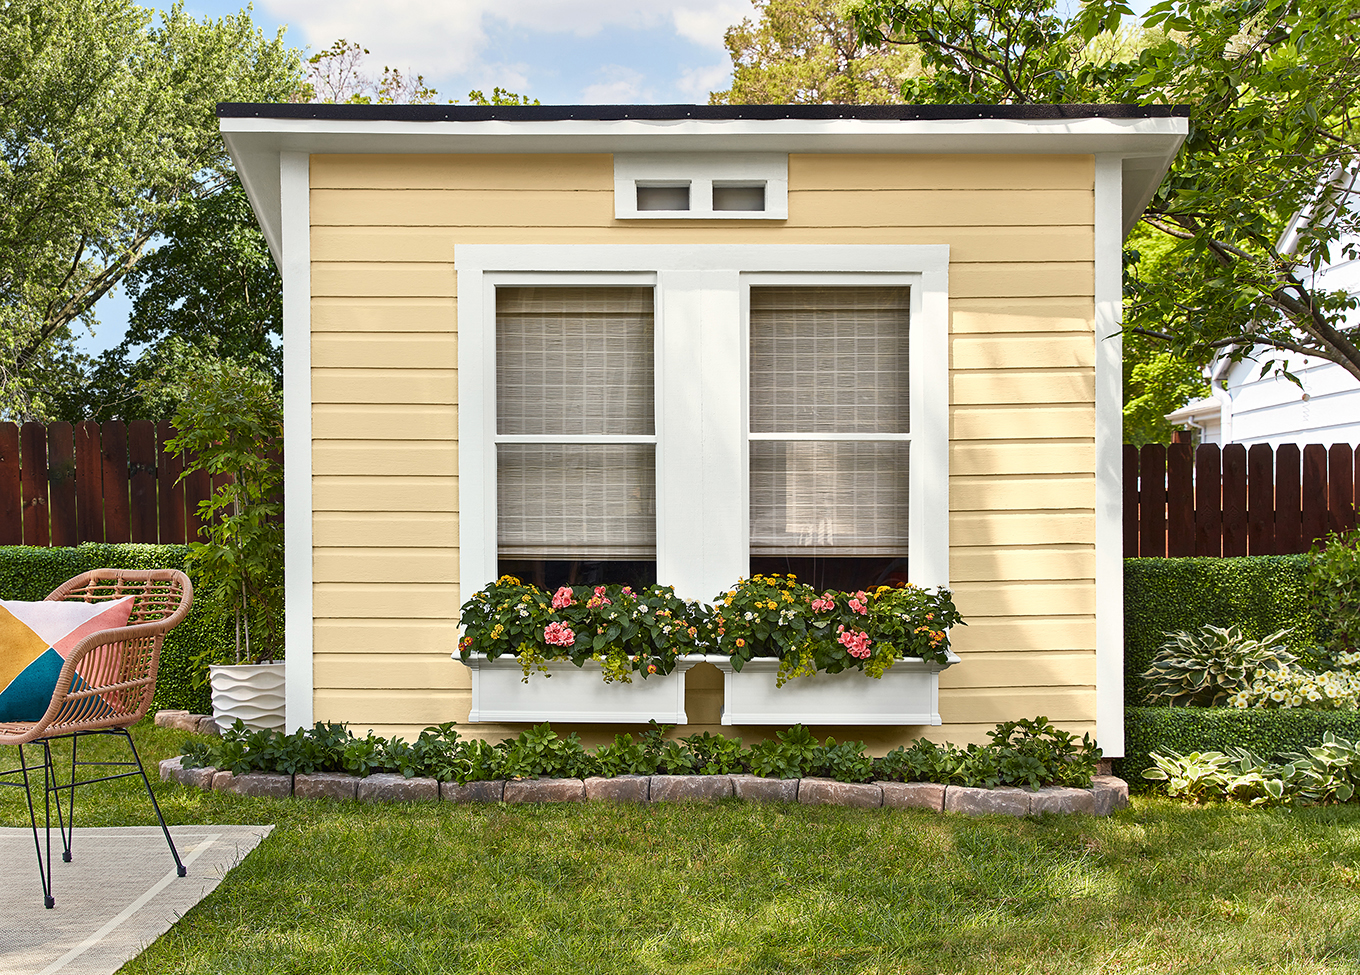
x=576, y=694
x=907, y=694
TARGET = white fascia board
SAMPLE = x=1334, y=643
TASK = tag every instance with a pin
x=255, y=143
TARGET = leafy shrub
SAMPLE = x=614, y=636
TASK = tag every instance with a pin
x=1270, y=733
x=1295, y=687
x=1334, y=590
x=626, y=632
x=1259, y=594
x=778, y=616
x=1029, y=752
x=1328, y=772
x=1207, y=667
x=30, y=573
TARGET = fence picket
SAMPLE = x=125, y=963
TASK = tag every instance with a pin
x=61, y=476
x=1234, y=500
x=1314, y=493
x=1260, y=500
x=141, y=438
x=1208, y=500
x=170, y=491
x=1152, y=501
x=1288, y=506
x=11, y=499
x=1130, y=501
x=33, y=458
x=113, y=450
x=1340, y=488
x=1180, y=506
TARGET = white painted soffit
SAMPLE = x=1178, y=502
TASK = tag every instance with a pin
x=1147, y=145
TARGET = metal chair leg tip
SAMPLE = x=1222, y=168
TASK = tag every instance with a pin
x=66, y=856
x=49, y=902
x=183, y=871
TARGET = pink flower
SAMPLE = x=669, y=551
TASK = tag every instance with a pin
x=563, y=598
x=821, y=605
x=559, y=635
x=858, y=607
x=855, y=642
x=599, y=599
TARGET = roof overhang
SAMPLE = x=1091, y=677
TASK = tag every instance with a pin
x=1146, y=139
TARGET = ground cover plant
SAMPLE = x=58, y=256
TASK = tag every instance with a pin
x=682, y=889
x=1030, y=752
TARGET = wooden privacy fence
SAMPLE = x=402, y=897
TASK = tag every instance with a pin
x=1236, y=501
x=63, y=484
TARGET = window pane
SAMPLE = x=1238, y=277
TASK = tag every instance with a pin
x=818, y=497
x=574, y=361
x=829, y=360
x=576, y=501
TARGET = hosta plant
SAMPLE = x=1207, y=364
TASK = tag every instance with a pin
x=1207, y=667
x=811, y=631
x=1325, y=773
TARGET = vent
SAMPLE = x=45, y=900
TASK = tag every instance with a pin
x=665, y=196
x=749, y=197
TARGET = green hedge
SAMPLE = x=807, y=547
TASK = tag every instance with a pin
x=28, y=572
x=1259, y=593
x=1269, y=732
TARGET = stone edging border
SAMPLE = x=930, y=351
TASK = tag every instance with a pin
x=1107, y=793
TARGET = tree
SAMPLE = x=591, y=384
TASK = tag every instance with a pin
x=107, y=128
x=807, y=52
x=1271, y=86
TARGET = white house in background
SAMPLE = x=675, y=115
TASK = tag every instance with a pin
x=1248, y=408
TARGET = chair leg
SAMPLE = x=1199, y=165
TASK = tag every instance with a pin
x=67, y=825
x=44, y=863
x=180, y=869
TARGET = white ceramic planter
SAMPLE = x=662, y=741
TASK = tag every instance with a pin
x=251, y=692
x=573, y=693
x=908, y=694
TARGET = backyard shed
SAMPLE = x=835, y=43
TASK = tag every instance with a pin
x=954, y=270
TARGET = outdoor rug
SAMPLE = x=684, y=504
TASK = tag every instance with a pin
x=117, y=895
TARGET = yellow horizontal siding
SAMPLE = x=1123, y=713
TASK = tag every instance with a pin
x=384, y=350
x=384, y=493
x=837, y=172
x=377, y=421
x=1061, y=242
x=394, y=314
x=385, y=238
x=364, y=386
x=372, y=529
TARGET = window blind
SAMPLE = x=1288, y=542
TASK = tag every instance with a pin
x=827, y=362
x=571, y=363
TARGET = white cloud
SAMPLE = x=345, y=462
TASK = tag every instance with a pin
x=443, y=37
x=619, y=86
x=706, y=23
x=696, y=83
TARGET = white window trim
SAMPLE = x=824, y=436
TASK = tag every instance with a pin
x=702, y=485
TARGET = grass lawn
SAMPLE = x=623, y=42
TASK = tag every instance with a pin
x=344, y=887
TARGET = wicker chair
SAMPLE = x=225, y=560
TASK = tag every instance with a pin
x=116, y=684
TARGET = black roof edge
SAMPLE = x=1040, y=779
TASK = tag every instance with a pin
x=610, y=113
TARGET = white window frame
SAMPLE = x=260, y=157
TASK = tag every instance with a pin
x=702, y=388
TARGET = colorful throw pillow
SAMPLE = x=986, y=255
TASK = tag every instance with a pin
x=35, y=640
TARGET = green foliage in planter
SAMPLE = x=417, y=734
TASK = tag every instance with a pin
x=1259, y=594
x=778, y=616
x=30, y=573
x=627, y=632
x=1269, y=733
x=1329, y=772
x=1030, y=753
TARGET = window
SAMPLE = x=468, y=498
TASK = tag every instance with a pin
x=830, y=434
x=575, y=435
x=696, y=412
